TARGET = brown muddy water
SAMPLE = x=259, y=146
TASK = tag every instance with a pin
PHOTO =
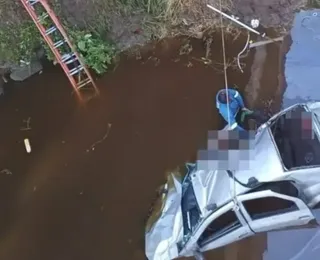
x=85, y=189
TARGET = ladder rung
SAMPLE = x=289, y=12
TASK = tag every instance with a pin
x=51, y=30
x=32, y=2
x=67, y=56
x=76, y=70
x=59, y=43
x=71, y=60
x=84, y=82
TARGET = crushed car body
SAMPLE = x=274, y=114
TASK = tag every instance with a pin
x=211, y=208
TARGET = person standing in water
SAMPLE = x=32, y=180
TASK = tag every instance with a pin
x=232, y=98
x=236, y=108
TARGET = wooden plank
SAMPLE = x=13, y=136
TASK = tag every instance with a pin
x=257, y=44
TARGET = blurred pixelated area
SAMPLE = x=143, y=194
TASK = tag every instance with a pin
x=227, y=150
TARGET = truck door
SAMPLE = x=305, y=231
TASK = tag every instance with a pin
x=274, y=208
x=223, y=227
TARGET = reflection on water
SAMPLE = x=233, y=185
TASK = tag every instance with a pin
x=298, y=244
x=302, y=75
x=302, y=61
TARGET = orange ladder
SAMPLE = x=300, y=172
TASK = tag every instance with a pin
x=62, y=48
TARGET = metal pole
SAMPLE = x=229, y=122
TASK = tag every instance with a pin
x=233, y=19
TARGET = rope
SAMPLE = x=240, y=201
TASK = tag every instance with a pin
x=224, y=63
x=226, y=88
x=243, y=50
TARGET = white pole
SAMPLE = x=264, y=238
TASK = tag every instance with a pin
x=233, y=19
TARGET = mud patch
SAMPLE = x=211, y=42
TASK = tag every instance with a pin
x=266, y=85
x=271, y=13
x=256, y=73
x=128, y=31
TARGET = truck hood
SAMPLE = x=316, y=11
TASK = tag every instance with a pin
x=164, y=234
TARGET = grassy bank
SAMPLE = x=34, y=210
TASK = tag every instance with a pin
x=102, y=28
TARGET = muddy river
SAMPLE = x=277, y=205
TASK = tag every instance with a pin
x=85, y=189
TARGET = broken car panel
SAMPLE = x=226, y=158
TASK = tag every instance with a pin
x=210, y=209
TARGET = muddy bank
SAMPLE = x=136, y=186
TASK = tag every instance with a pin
x=128, y=23
x=263, y=77
x=271, y=13
x=191, y=17
x=85, y=189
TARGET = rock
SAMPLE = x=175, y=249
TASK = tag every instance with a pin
x=199, y=35
x=22, y=73
x=1, y=87
x=3, y=80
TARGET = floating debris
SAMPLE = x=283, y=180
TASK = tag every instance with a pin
x=27, y=127
x=6, y=171
x=92, y=147
x=189, y=64
x=208, y=41
x=257, y=44
x=27, y=145
x=138, y=55
x=203, y=60
x=154, y=59
x=186, y=48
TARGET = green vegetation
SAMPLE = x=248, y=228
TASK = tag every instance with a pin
x=97, y=26
x=92, y=23
x=18, y=43
x=97, y=53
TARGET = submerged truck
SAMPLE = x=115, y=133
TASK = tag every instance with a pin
x=207, y=209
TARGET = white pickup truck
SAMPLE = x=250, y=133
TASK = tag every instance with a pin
x=207, y=209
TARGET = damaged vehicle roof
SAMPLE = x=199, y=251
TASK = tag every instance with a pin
x=208, y=209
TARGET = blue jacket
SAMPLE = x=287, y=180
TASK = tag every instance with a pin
x=235, y=104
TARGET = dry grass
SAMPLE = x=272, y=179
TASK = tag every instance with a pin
x=187, y=17
x=160, y=18
x=157, y=18
x=195, y=16
x=117, y=19
x=11, y=12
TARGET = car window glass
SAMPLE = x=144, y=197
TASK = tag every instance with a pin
x=225, y=223
x=295, y=138
x=269, y=206
x=282, y=187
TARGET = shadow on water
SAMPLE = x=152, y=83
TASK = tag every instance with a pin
x=302, y=61
x=84, y=190
x=302, y=77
